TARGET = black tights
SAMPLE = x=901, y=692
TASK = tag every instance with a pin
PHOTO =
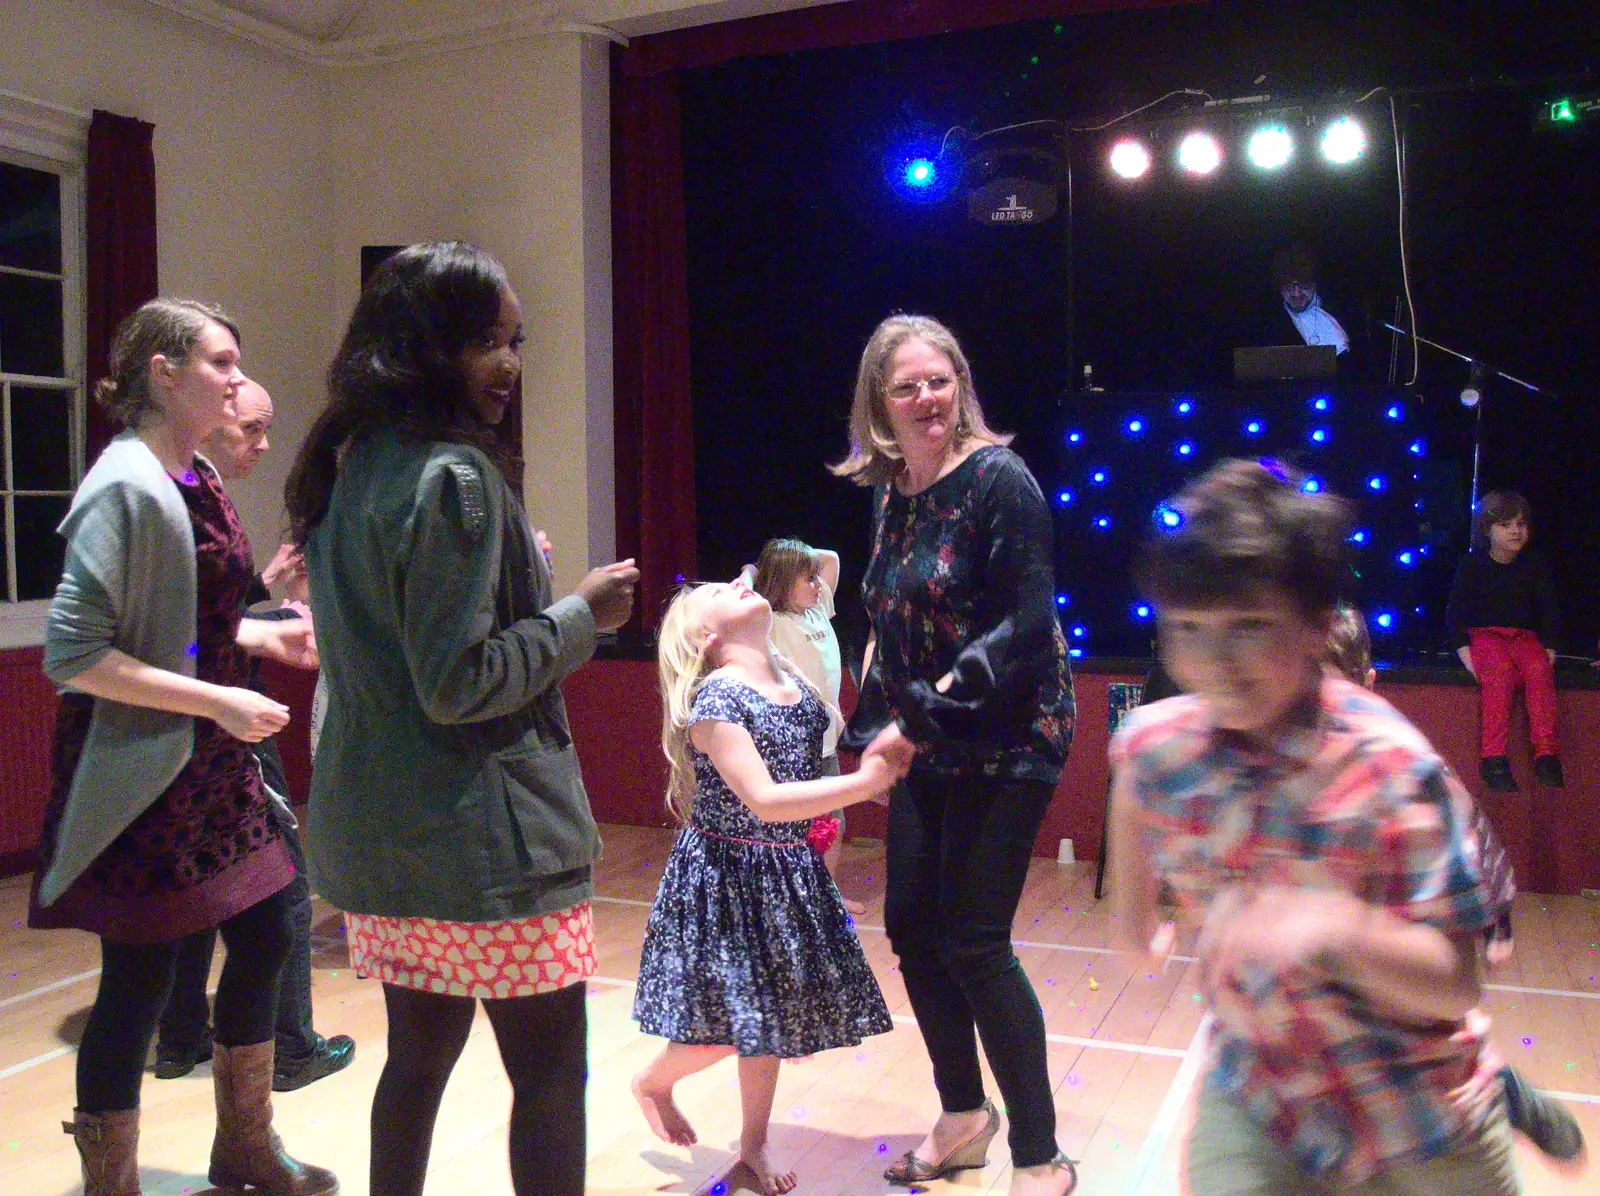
x=544, y=1045
x=959, y=849
x=136, y=979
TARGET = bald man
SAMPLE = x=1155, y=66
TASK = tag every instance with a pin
x=302, y=1056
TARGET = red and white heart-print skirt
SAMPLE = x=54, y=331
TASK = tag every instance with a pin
x=519, y=957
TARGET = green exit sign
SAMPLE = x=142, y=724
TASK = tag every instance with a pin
x=1570, y=110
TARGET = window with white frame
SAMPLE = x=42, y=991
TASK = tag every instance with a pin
x=41, y=366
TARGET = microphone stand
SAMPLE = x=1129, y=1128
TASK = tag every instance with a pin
x=1475, y=366
x=1538, y=390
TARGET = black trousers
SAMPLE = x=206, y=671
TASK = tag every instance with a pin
x=135, y=980
x=187, y=1013
x=958, y=851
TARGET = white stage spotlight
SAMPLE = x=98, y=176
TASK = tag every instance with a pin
x=1271, y=147
x=1130, y=159
x=1344, y=141
x=1199, y=153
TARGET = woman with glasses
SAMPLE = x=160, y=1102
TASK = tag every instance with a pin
x=967, y=659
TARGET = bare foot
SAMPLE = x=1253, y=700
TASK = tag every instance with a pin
x=664, y=1116
x=853, y=907
x=1055, y=1178
x=772, y=1181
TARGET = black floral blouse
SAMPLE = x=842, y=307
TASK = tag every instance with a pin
x=961, y=581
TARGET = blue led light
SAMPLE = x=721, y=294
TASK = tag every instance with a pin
x=1407, y=558
x=1141, y=611
x=1394, y=412
x=1074, y=437
x=1167, y=516
x=1184, y=407
x=1079, y=631
x=1098, y=477
x=1385, y=620
x=1319, y=435
x=1417, y=448
x=1062, y=600
x=1253, y=428
x=1135, y=426
x=1320, y=403
x=920, y=172
x=1064, y=497
x=1185, y=449
x=1311, y=486
x=1358, y=537
x=1375, y=482
x=1075, y=653
x=1103, y=522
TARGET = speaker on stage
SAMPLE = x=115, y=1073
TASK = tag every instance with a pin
x=1014, y=178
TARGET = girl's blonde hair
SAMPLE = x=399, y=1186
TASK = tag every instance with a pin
x=875, y=454
x=682, y=666
x=780, y=565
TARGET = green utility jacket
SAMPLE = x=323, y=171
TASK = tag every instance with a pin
x=446, y=784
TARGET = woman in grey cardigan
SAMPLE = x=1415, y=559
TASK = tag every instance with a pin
x=158, y=824
x=447, y=814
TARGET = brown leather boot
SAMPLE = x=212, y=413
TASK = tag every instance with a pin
x=246, y=1152
x=108, y=1144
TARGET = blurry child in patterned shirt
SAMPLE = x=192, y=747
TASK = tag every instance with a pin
x=1328, y=849
x=1546, y=1121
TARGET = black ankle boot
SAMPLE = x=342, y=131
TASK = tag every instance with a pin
x=1496, y=773
x=173, y=1062
x=1547, y=771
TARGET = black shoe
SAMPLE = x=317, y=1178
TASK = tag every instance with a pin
x=1547, y=771
x=328, y=1056
x=1545, y=1121
x=172, y=1063
x=1496, y=773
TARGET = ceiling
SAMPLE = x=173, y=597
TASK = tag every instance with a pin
x=332, y=31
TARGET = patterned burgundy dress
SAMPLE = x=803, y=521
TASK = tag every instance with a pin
x=209, y=847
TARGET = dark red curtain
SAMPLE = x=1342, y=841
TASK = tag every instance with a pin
x=654, y=413
x=120, y=222
x=654, y=433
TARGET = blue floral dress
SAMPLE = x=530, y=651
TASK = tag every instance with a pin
x=749, y=944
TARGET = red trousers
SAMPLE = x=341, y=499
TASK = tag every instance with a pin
x=1503, y=658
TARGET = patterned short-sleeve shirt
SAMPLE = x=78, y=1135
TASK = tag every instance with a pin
x=788, y=738
x=1354, y=798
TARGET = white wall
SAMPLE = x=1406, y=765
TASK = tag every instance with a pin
x=491, y=145
x=242, y=195
x=271, y=176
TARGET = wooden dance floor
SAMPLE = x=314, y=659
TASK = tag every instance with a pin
x=1124, y=1055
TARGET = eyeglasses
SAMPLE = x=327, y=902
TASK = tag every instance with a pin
x=938, y=384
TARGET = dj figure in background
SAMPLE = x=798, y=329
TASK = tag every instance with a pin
x=1295, y=271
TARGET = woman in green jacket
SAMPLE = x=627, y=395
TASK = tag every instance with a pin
x=447, y=816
